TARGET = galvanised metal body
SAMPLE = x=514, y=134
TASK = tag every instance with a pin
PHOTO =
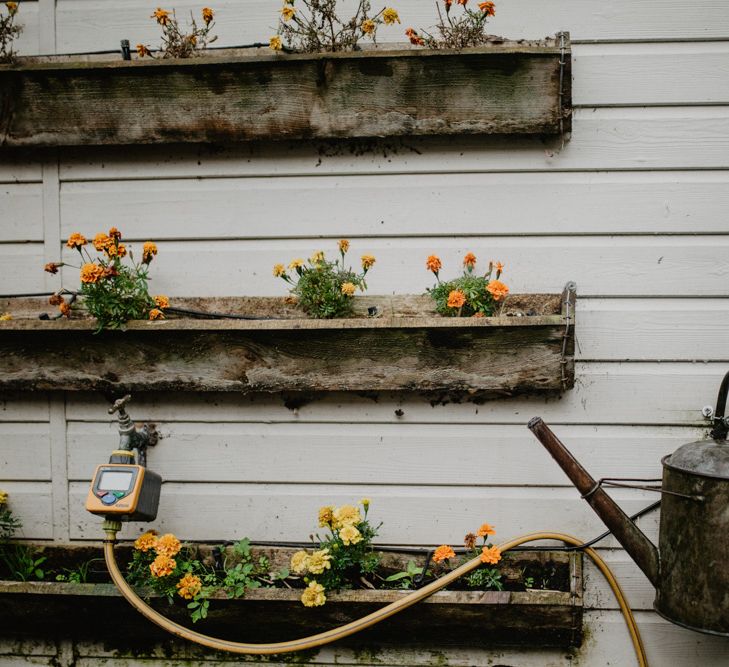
x=690, y=571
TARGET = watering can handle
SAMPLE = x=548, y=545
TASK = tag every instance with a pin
x=721, y=423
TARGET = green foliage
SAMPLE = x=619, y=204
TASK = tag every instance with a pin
x=323, y=288
x=458, y=32
x=120, y=298
x=78, y=575
x=470, y=294
x=8, y=32
x=485, y=579
x=406, y=578
x=241, y=571
x=8, y=524
x=22, y=562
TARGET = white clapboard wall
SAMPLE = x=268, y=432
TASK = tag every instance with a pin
x=634, y=208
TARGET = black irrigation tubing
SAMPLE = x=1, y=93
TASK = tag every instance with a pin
x=255, y=45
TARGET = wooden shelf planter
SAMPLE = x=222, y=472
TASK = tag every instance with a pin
x=528, y=349
x=222, y=96
x=550, y=618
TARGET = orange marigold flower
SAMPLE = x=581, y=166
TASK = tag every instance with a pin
x=168, y=545
x=146, y=541
x=115, y=234
x=65, y=309
x=156, y=314
x=488, y=8
x=486, y=529
x=433, y=263
x=162, y=16
x=497, y=289
x=76, y=240
x=469, y=261
x=499, y=267
x=162, y=301
x=149, y=250
x=443, y=552
x=367, y=262
x=414, y=37
x=462, y=2
x=189, y=586
x=102, y=241
x=479, y=314
x=343, y=245
x=469, y=541
x=490, y=555
x=55, y=300
x=208, y=15
x=456, y=299
x=448, y=3
x=52, y=267
x=162, y=566
x=143, y=51
x=91, y=273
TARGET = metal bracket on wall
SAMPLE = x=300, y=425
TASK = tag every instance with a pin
x=569, y=297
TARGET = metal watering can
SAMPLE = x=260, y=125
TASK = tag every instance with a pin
x=690, y=569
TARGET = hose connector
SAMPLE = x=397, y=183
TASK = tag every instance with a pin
x=111, y=527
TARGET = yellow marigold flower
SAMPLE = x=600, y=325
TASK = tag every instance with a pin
x=299, y=562
x=317, y=257
x=326, y=516
x=365, y=502
x=143, y=51
x=64, y=309
x=469, y=261
x=469, y=541
x=275, y=43
x=189, y=586
x=350, y=535
x=208, y=15
x=279, y=270
x=313, y=596
x=149, y=250
x=367, y=261
x=146, y=541
x=456, y=299
x=488, y=8
x=368, y=26
x=433, y=263
x=390, y=16
x=485, y=530
x=156, y=314
x=287, y=12
x=162, y=566
x=443, y=552
x=296, y=264
x=346, y=515
x=497, y=289
x=76, y=240
x=162, y=301
x=348, y=289
x=3, y=497
x=12, y=7
x=91, y=273
x=115, y=234
x=115, y=250
x=6, y=317
x=343, y=245
x=162, y=16
x=319, y=561
x=490, y=555
x=168, y=545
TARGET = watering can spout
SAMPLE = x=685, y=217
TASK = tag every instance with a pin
x=638, y=546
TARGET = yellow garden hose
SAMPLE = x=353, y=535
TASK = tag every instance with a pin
x=112, y=527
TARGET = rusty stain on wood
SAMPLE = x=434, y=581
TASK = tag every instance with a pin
x=474, y=358
x=505, y=88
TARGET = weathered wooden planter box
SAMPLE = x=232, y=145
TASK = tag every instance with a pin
x=465, y=618
x=503, y=88
x=528, y=349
